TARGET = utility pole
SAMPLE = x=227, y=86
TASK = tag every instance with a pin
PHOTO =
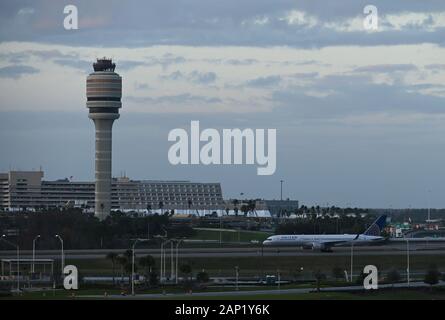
x=407, y=262
x=352, y=257
x=34, y=253
x=172, y=267
x=177, y=257
x=236, y=277
x=132, y=264
x=279, y=279
x=220, y=230
x=62, y=256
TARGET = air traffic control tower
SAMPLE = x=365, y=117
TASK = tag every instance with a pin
x=104, y=92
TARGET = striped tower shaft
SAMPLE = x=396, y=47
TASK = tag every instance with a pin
x=103, y=167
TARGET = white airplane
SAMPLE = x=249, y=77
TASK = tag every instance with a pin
x=324, y=242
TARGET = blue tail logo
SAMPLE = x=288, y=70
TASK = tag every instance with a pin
x=376, y=227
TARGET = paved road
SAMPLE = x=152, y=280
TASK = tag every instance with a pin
x=227, y=252
x=255, y=292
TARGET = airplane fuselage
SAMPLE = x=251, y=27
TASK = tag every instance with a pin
x=321, y=240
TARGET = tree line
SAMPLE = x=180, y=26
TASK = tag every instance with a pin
x=84, y=231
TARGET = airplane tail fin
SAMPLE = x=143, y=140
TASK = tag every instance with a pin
x=376, y=227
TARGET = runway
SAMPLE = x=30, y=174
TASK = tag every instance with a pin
x=241, y=252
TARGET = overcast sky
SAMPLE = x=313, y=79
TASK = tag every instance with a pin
x=360, y=115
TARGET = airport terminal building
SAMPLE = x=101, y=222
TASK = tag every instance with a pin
x=27, y=189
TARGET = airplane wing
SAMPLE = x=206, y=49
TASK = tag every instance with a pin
x=330, y=243
x=324, y=245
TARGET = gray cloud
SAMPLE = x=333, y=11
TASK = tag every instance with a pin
x=165, y=61
x=241, y=62
x=203, y=77
x=386, y=68
x=183, y=98
x=22, y=56
x=435, y=67
x=352, y=95
x=177, y=75
x=200, y=22
x=194, y=76
x=17, y=71
x=305, y=75
x=81, y=65
x=262, y=82
x=126, y=65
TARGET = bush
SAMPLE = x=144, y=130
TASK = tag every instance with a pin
x=338, y=273
x=432, y=276
x=393, y=276
x=202, y=277
x=319, y=276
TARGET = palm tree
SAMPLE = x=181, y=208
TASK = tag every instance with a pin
x=147, y=263
x=432, y=276
x=122, y=261
x=235, y=206
x=186, y=269
x=112, y=256
x=125, y=261
x=245, y=209
x=337, y=273
x=128, y=254
x=252, y=206
x=189, y=203
x=319, y=276
x=393, y=276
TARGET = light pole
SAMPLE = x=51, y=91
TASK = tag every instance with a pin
x=34, y=252
x=429, y=205
x=281, y=189
x=220, y=230
x=177, y=257
x=172, y=267
x=407, y=261
x=163, y=268
x=352, y=257
x=236, y=277
x=279, y=279
x=160, y=276
x=18, y=260
x=62, y=260
x=132, y=264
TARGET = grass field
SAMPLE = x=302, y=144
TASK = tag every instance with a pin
x=377, y=295
x=288, y=266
